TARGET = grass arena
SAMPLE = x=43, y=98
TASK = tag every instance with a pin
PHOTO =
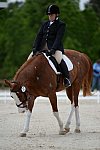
x=43, y=133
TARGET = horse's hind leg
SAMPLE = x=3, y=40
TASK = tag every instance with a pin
x=67, y=126
x=76, y=90
x=77, y=130
x=70, y=96
x=73, y=93
x=53, y=101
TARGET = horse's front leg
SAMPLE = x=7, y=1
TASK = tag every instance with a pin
x=26, y=124
x=53, y=101
x=27, y=119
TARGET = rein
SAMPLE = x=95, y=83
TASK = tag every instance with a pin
x=19, y=106
x=42, y=51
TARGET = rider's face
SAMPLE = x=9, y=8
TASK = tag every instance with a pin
x=52, y=17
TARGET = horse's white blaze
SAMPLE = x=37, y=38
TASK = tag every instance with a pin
x=17, y=101
x=15, y=97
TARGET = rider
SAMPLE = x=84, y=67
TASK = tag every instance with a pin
x=50, y=37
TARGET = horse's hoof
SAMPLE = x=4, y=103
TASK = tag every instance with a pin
x=77, y=130
x=22, y=134
x=62, y=132
x=67, y=130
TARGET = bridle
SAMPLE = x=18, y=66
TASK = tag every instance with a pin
x=23, y=91
x=23, y=103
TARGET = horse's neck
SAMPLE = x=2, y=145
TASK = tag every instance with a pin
x=22, y=69
x=31, y=67
x=40, y=62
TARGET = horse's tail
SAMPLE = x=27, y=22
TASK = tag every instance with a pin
x=86, y=85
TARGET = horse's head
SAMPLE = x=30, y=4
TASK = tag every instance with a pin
x=18, y=93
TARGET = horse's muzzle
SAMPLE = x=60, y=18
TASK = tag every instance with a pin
x=21, y=110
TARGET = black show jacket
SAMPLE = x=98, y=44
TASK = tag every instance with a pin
x=50, y=34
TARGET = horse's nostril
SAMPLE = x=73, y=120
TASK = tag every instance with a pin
x=23, y=111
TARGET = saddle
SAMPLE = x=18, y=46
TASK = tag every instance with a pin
x=53, y=63
x=55, y=66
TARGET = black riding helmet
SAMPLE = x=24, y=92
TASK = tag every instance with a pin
x=52, y=9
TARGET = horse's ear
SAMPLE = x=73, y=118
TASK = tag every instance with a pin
x=7, y=82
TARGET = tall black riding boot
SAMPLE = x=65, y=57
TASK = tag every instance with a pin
x=65, y=73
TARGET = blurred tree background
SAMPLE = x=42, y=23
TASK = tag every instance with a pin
x=20, y=22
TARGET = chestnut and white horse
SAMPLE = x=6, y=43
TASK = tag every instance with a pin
x=36, y=78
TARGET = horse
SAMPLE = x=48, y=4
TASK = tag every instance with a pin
x=36, y=78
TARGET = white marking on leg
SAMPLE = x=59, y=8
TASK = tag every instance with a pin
x=56, y=114
x=70, y=117
x=27, y=121
x=77, y=118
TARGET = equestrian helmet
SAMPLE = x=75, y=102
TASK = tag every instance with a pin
x=52, y=9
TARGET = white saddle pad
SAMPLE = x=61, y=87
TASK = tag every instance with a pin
x=65, y=58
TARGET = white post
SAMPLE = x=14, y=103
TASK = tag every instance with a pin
x=98, y=97
x=5, y=96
